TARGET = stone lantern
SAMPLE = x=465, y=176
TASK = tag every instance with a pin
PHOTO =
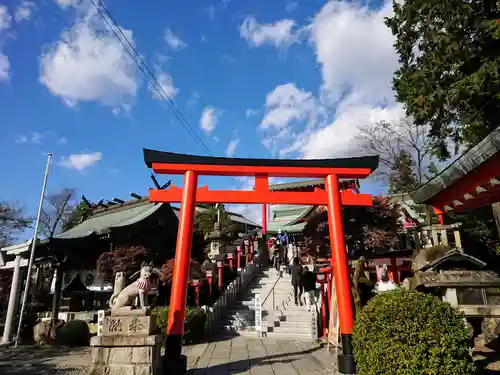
x=218, y=240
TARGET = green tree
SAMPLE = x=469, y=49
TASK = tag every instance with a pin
x=402, y=177
x=206, y=219
x=77, y=215
x=449, y=77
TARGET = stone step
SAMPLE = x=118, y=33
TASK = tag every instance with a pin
x=230, y=328
x=302, y=332
x=289, y=336
x=293, y=324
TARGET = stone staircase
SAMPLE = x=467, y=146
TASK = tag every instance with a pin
x=286, y=321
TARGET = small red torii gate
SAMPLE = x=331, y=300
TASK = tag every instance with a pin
x=193, y=166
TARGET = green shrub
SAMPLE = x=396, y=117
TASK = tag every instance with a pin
x=409, y=333
x=194, y=324
x=74, y=333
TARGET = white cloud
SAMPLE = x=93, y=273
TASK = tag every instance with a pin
x=173, y=40
x=89, y=64
x=67, y=3
x=231, y=147
x=251, y=112
x=338, y=138
x=25, y=11
x=360, y=79
x=211, y=10
x=80, y=161
x=287, y=103
x=292, y=6
x=228, y=59
x=193, y=99
x=62, y=141
x=281, y=33
x=34, y=137
x=165, y=81
x=208, y=121
x=22, y=139
x=5, y=18
x=5, y=24
x=250, y=211
x=356, y=89
x=368, y=67
x=4, y=67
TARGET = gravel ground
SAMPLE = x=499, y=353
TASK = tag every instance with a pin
x=31, y=360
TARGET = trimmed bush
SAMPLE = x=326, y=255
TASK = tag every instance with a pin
x=74, y=333
x=405, y=333
x=194, y=324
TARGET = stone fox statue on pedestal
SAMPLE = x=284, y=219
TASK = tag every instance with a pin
x=140, y=287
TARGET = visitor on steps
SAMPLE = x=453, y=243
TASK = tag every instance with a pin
x=296, y=272
x=282, y=238
x=309, y=284
x=291, y=254
x=277, y=259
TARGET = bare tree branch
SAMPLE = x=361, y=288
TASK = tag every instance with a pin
x=56, y=209
x=389, y=140
x=12, y=221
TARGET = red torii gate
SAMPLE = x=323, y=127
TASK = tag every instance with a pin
x=193, y=166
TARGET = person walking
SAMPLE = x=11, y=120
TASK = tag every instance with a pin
x=291, y=254
x=309, y=284
x=296, y=271
x=277, y=259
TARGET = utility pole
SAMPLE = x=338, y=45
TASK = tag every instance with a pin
x=33, y=247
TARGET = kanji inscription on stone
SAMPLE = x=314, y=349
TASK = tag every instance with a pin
x=115, y=325
x=135, y=326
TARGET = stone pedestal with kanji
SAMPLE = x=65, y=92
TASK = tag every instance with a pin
x=128, y=345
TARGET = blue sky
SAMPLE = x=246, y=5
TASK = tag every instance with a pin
x=280, y=79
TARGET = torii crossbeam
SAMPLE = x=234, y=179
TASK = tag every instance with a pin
x=261, y=169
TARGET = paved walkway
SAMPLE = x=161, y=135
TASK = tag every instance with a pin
x=230, y=356
x=258, y=357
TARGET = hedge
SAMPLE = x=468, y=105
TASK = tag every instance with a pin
x=74, y=333
x=410, y=333
x=194, y=323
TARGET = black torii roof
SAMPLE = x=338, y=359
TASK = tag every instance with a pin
x=154, y=156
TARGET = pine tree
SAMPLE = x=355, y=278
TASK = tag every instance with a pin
x=449, y=76
x=402, y=177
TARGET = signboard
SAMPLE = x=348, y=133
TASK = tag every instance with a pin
x=258, y=313
x=334, y=325
x=100, y=318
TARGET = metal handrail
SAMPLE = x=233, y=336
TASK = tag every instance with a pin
x=271, y=290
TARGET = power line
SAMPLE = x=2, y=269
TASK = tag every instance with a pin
x=106, y=16
x=130, y=49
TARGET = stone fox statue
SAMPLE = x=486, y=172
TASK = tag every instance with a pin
x=140, y=288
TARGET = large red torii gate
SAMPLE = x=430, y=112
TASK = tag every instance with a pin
x=193, y=166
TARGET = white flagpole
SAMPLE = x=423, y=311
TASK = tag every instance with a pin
x=32, y=254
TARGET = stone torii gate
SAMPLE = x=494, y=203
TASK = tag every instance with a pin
x=261, y=169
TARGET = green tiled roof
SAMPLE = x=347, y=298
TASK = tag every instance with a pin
x=288, y=219
x=294, y=228
x=295, y=185
x=120, y=217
